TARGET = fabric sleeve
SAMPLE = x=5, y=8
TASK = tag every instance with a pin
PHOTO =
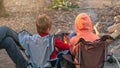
x=60, y=45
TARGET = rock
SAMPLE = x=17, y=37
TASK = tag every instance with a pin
x=117, y=19
x=114, y=27
x=115, y=34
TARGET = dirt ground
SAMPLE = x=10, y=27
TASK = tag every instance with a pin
x=23, y=13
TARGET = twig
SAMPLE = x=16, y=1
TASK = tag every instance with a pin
x=95, y=28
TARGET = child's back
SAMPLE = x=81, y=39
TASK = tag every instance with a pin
x=38, y=49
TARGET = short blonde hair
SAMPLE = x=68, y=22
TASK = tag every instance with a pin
x=43, y=23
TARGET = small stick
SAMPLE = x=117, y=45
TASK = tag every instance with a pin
x=95, y=28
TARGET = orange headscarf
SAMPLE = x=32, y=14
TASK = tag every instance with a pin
x=83, y=28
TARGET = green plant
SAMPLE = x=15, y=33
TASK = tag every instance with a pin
x=62, y=4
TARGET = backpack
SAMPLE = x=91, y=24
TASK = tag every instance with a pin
x=37, y=49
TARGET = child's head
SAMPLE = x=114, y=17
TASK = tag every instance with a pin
x=43, y=23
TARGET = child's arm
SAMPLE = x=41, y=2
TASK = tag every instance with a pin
x=60, y=45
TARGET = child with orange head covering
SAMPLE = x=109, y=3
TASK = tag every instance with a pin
x=83, y=29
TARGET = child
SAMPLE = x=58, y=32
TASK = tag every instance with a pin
x=83, y=28
x=43, y=25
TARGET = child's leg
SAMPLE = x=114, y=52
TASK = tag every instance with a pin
x=13, y=51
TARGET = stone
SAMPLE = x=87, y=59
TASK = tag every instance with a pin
x=114, y=27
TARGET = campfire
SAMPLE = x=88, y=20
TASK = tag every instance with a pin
x=63, y=36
